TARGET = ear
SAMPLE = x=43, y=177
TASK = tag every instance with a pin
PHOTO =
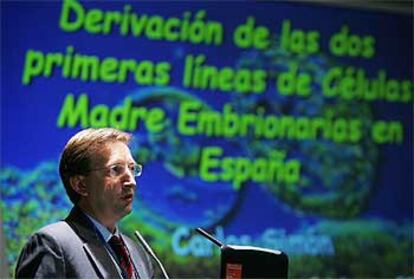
x=77, y=183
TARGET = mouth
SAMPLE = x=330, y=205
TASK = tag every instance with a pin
x=128, y=197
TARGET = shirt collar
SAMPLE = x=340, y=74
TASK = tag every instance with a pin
x=105, y=233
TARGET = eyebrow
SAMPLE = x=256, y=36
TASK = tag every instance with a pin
x=123, y=162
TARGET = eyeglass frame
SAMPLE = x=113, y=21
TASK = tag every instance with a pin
x=137, y=172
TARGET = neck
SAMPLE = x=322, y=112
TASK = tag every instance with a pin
x=99, y=216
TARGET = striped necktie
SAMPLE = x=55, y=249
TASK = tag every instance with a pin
x=122, y=254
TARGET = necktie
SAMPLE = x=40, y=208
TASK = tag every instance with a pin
x=122, y=254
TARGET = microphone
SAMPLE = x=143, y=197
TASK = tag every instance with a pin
x=149, y=251
x=209, y=237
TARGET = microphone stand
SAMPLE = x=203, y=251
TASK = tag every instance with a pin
x=149, y=251
x=209, y=237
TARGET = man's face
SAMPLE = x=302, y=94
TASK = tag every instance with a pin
x=110, y=196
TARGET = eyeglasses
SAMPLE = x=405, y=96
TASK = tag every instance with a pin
x=117, y=170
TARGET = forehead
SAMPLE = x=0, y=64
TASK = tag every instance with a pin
x=112, y=152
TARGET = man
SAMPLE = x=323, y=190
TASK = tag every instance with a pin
x=98, y=172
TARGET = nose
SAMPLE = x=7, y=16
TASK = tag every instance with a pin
x=128, y=178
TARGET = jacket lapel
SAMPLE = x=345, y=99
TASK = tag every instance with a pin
x=92, y=244
x=136, y=259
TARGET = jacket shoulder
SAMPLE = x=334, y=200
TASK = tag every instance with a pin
x=42, y=256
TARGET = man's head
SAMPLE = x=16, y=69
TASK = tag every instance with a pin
x=97, y=170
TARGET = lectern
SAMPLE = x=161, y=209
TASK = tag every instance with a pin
x=242, y=262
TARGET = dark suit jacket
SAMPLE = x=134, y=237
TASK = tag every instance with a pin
x=74, y=249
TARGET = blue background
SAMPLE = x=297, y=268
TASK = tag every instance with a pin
x=30, y=136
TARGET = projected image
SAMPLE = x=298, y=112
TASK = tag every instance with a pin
x=275, y=130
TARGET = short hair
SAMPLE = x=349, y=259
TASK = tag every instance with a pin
x=77, y=154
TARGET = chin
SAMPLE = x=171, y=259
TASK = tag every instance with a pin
x=123, y=211
x=127, y=210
